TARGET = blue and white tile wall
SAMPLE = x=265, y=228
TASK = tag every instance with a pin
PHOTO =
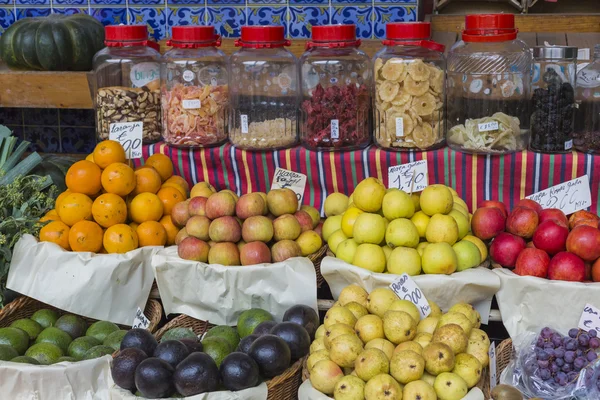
x=370, y=16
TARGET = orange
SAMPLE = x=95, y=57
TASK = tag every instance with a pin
x=134, y=225
x=179, y=180
x=51, y=215
x=109, y=209
x=147, y=180
x=162, y=164
x=145, y=207
x=151, y=233
x=108, y=152
x=169, y=197
x=118, y=178
x=120, y=238
x=60, y=198
x=90, y=157
x=171, y=229
x=174, y=185
x=75, y=207
x=86, y=236
x=56, y=232
x=84, y=177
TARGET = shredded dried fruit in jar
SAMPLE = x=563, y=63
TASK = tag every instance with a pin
x=498, y=133
x=269, y=134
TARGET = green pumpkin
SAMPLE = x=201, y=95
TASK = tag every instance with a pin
x=53, y=43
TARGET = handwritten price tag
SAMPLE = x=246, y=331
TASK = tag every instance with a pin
x=411, y=177
x=140, y=320
x=244, y=123
x=335, y=128
x=492, y=356
x=488, y=126
x=296, y=181
x=406, y=289
x=590, y=318
x=192, y=104
x=129, y=134
x=569, y=196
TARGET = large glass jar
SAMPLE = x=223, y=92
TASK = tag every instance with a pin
x=553, y=101
x=127, y=88
x=489, y=74
x=194, y=83
x=263, y=90
x=409, y=89
x=336, y=86
x=587, y=121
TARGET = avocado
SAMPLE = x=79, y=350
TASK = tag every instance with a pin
x=25, y=360
x=193, y=345
x=17, y=338
x=72, y=324
x=124, y=365
x=225, y=332
x=101, y=329
x=171, y=351
x=98, y=351
x=239, y=371
x=114, y=339
x=178, y=333
x=305, y=316
x=46, y=318
x=246, y=342
x=249, y=319
x=295, y=336
x=79, y=346
x=7, y=353
x=32, y=328
x=141, y=339
x=67, y=359
x=216, y=347
x=154, y=378
x=197, y=374
x=264, y=328
x=55, y=336
x=44, y=353
x=272, y=355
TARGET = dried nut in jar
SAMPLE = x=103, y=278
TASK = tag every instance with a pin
x=274, y=133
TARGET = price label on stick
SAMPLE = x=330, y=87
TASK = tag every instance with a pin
x=140, y=320
x=296, y=181
x=590, y=318
x=492, y=364
x=411, y=177
x=568, y=197
x=406, y=289
x=129, y=134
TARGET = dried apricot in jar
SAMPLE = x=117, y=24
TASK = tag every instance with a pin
x=109, y=209
x=56, y=232
x=151, y=233
x=169, y=197
x=145, y=207
x=118, y=178
x=171, y=229
x=86, y=236
x=146, y=180
x=75, y=207
x=84, y=177
x=108, y=152
x=162, y=164
x=120, y=238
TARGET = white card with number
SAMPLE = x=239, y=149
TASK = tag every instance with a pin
x=411, y=177
x=406, y=289
x=296, y=181
x=129, y=134
x=140, y=320
x=570, y=196
x=492, y=365
x=590, y=318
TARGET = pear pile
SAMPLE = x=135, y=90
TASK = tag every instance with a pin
x=392, y=231
x=375, y=346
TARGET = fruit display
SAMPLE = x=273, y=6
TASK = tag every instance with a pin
x=256, y=228
x=109, y=207
x=225, y=358
x=396, y=232
x=375, y=345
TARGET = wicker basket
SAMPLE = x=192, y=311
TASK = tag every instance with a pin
x=24, y=307
x=316, y=259
x=282, y=387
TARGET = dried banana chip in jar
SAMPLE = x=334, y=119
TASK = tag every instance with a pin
x=415, y=88
x=418, y=71
x=393, y=69
x=423, y=136
x=401, y=98
x=377, y=67
x=424, y=105
x=388, y=90
x=391, y=122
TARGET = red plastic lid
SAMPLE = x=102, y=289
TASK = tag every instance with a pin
x=125, y=35
x=333, y=36
x=187, y=37
x=407, y=30
x=153, y=44
x=262, y=36
x=489, y=28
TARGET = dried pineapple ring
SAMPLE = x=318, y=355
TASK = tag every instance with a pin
x=388, y=90
x=423, y=136
x=393, y=69
x=390, y=121
x=415, y=88
x=424, y=105
x=436, y=78
x=377, y=67
x=401, y=98
x=418, y=71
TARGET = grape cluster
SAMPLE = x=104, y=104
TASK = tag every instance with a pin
x=560, y=358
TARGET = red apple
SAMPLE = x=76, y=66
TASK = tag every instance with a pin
x=584, y=241
x=587, y=222
x=551, y=237
x=566, y=266
x=532, y=262
x=553, y=213
x=319, y=229
x=582, y=215
x=493, y=203
x=487, y=222
x=522, y=221
x=505, y=249
x=596, y=271
x=529, y=203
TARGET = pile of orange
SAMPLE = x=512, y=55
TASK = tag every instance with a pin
x=109, y=207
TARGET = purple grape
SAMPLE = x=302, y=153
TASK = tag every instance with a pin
x=547, y=333
x=573, y=332
x=549, y=345
x=569, y=356
x=594, y=342
x=540, y=342
x=556, y=339
x=559, y=362
x=559, y=352
x=545, y=374
x=572, y=376
x=551, y=352
x=579, y=363
x=543, y=364
x=554, y=368
x=593, y=333
x=578, y=352
x=571, y=344
x=584, y=339
x=567, y=368
x=591, y=356
x=543, y=355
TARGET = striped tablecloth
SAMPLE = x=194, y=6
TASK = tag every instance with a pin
x=475, y=177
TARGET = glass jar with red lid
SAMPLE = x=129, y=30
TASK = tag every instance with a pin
x=409, y=89
x=336, y=82
x=489, y=78
x=263, y=87
x=127, y=73
x=195, y=97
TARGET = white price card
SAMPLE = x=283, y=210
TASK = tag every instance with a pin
x=192, y=104
x=488, y=126
x=140, y=320
x=406, y=289
x=492, y=365
x=590, y=318
x=399, y=127
x=244, y=123
x=411, y=177
x=569, y=144
x=129, y=134
x=296, y=181
x=568, y=197
x=335, y=128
